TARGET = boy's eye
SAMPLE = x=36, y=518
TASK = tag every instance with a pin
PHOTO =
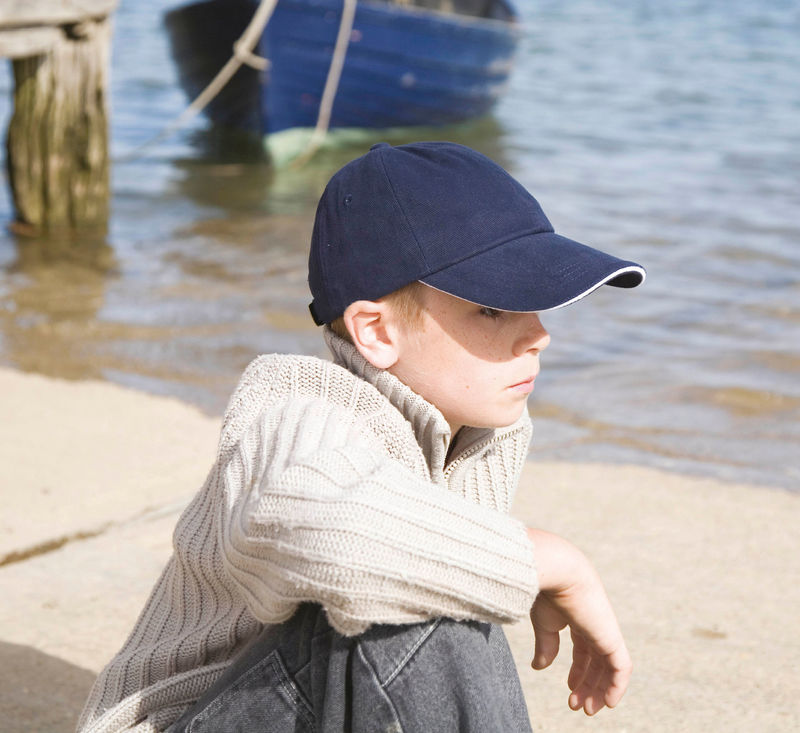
x=490, y=312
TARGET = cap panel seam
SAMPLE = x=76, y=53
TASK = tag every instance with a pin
x=402, y=210
x=491, y=247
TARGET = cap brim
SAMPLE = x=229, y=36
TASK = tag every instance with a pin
x=537, y=272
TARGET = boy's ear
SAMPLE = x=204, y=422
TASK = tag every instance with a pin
x=369, y=324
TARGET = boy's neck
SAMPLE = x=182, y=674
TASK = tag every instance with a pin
x=438, y=439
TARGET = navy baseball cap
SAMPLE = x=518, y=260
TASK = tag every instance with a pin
x=445, y=215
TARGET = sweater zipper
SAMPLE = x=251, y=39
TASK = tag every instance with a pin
x=472, y=450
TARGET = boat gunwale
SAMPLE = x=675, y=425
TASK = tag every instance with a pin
x=512, y=25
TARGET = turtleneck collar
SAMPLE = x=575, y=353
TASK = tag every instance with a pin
x=430, y=428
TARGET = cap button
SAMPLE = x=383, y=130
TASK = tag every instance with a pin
x=376, y=146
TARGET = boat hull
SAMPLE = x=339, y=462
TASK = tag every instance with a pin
x=404, y=66
x=201, y=37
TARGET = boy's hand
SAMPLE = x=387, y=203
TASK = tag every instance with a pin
x=571, y=594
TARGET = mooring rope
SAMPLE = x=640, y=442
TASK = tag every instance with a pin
x=331, y=82
x=243, y=54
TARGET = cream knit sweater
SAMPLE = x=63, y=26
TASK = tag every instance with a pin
x=330, y=485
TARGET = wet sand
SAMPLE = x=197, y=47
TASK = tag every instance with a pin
x=704, y=575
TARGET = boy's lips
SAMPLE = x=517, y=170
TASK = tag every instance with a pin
x=525, y=386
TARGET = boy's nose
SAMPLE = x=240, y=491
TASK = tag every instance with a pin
x=534, y=336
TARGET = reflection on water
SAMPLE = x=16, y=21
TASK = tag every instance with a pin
x=52, y=292
x=668, y=136
x=202, y=276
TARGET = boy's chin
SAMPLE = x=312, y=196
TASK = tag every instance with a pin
x=500, y=422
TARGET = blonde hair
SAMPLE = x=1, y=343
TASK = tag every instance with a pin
x=405, y=302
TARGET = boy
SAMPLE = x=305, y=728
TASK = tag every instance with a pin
x=351, y=550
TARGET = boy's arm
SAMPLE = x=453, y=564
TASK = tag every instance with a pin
x=571, y=594
x=313, y=511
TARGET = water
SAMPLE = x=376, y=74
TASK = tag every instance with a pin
x=665, y=133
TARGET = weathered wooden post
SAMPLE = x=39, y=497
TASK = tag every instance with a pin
x=57, y=142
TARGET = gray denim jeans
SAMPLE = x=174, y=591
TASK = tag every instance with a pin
x=301, y=676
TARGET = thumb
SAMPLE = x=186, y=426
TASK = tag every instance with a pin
x=546, y=649
x=546, y=622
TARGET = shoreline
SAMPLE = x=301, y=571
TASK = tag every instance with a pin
x=702, y=573
x=542, y=413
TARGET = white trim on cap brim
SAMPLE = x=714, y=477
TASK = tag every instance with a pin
x=621, y=271
x=580, y=296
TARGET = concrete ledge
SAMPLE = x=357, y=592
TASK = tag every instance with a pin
x=81, y=457
x=703, y=574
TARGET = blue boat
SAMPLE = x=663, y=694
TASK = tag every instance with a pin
x=405, y=65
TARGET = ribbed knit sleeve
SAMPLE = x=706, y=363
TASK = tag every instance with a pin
x=315, y=511
x=330, y=485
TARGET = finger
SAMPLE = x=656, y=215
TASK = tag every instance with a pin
x=580, y=662
x=596, y=699
x=614, y=693
x=603, y=689
x=619, y=676
x=577, y=679
x=577, y=675
x=546, y=648
x=591, y=704
x=590, y=700
x=590, y=694
x=594, y=703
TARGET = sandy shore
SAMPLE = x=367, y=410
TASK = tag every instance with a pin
x=705, y=576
